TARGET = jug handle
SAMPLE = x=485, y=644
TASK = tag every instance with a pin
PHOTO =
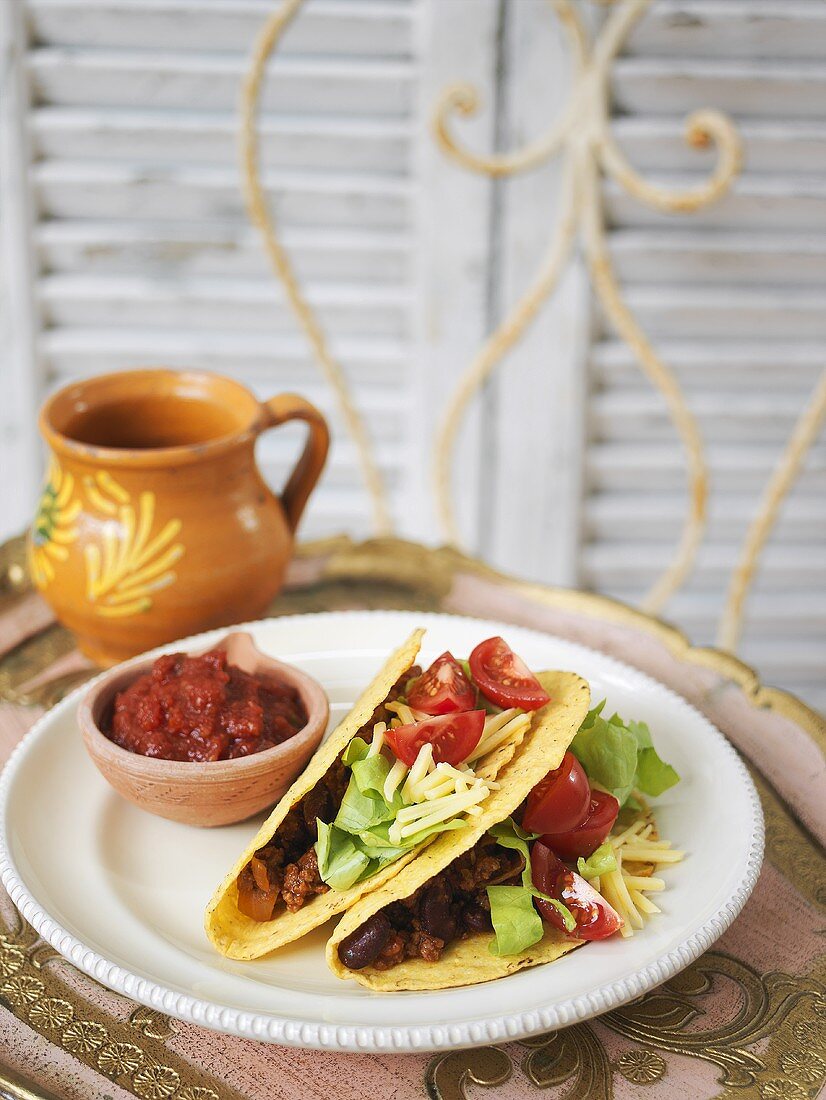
x=302, y=481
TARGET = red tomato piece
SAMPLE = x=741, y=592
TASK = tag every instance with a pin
x=587, y=837
x=595, y=918
x=443, y=688
x=560, y=801
x=504, y=678
x=453, y=737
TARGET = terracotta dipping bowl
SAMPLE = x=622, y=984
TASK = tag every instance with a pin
x=217, y=792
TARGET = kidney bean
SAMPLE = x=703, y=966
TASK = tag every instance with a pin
x=434, y=911
x=364, y=946
x=476, y=918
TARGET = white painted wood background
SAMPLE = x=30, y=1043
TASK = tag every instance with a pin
x=124, y=242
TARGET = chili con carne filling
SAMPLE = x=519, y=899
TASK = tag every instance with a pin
x=286, y=868
x=452, y=905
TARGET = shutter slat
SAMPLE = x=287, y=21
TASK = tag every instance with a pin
x=745, y=89
x=122, y=78
x=84, y=301
x=738, y=312
x=656, y=516
x=726, y=28
x=680, y=256
x=346, y=144
x=610, y=566
x=632, y=414
x=657, y=466
x=68, y=189
x=350, y=27
x=213, y=248
x=754, y=202
x=771, y=365
x=282, y=360
x=784, y=147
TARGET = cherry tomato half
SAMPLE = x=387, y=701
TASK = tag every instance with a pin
x=595, y=918
x=453, y=737
x=587, y=837
x=443, y=688
x=504, y=678
x=560, y=801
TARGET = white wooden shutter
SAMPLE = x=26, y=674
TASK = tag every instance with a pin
x=143, y=251
x=734, y=300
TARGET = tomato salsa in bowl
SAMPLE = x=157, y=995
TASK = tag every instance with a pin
x=209, y=738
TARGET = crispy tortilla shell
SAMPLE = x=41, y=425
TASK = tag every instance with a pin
x=240, y=937
x=468, y=962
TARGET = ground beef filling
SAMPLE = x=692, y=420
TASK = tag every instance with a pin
x=452, y=905
x=286, y=868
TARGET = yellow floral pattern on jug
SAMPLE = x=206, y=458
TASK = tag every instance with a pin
x=132, y=560
x=54, y=528
x=132, y=563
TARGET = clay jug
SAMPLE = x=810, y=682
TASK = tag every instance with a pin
x=154, y=522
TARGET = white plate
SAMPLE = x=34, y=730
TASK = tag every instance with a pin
x=121, y=893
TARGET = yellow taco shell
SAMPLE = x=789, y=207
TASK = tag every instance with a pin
x=468, y=961
x=240, y=937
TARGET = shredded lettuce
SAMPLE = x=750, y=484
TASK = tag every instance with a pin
x=598, y=863
x=620, y=756
x=516, y=923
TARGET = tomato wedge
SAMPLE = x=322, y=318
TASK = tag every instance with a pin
x=504, y=678
x=453, y=737
x=443, y=688
x=595, y=918
x=560, y=801
x=587, y=836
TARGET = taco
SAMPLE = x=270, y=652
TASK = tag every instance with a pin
x=416, y=757
x=383, y=942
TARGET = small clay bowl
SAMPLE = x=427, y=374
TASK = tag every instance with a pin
x=217, y=792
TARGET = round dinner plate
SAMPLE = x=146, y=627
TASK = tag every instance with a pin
x=121, y=893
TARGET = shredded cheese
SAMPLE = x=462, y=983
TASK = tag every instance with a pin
x=651, y=855
x=395, y=777
x=406, y=712
x=422, y=765
x=450, y=808
x=626, y=889
x=377, y=744
x=497, y=731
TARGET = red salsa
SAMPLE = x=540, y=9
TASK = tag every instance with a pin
x=202, y=708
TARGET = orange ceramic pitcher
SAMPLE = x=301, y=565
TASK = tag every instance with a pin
x=155, y=522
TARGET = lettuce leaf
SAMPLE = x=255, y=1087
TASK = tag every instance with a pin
x=515, y=920
x=340, y=862
x=359, y=812
x=356, y=750
x=364, y=806
x=509, y=835
x=620, y=756
x=653, y=775
x=512, y=912
x=598, y=863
